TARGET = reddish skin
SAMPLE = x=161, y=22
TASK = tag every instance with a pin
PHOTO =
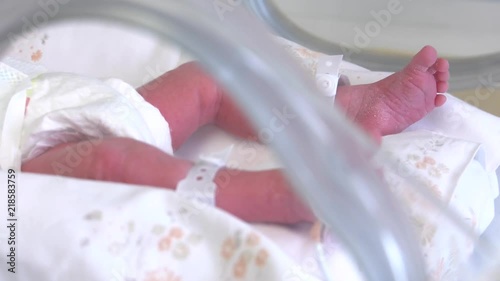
x=394, y=103
x=188, y=99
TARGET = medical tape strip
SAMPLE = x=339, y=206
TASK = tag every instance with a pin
x=12, y=80
x=198, y=186
x=327, y=74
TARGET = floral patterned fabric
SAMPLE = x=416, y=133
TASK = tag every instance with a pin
x=106, y=231
x=429, y=162
x=441, y=165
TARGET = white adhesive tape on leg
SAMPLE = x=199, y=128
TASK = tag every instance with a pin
x=327, y=74
x=198, y=185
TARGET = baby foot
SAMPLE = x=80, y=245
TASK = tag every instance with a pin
x=391, y=105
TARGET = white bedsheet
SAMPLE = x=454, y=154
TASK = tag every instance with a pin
x=70, y=229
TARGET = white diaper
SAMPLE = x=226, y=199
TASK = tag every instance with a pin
x=67, y=108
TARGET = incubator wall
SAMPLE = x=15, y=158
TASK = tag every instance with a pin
x=382, y=35
x=236, y=48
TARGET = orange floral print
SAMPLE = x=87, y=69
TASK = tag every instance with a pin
x=36, y=56
x=253, y=240
x=425, y=162
x=228, y=248
x=176, y=232
x=438, y=171
x=164, y=244
x=240, y=269
x=261, y=258
x=162, y=275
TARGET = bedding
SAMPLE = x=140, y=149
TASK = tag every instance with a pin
x=294, y=254
x=71, y=229
x=95, y=49
x=460, y=179
x=468, y=183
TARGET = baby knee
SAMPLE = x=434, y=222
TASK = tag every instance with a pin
x=110, y=158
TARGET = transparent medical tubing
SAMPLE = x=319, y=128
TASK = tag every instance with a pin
x=323, y=154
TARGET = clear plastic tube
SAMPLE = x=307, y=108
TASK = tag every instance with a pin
x=323, y=154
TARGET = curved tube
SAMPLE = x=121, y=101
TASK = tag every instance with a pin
x=466, y=71
x=323, y=154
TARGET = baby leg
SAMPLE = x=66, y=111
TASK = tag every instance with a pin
x=391, y=105
x=189, y=98
x=252, y=196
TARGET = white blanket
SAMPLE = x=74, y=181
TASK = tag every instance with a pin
x=68, y=229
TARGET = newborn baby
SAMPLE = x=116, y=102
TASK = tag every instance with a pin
x=188, y=98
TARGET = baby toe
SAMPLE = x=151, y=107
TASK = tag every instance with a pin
x=442, y=65
x=442, y=76
x=424, y=59
x=442, y=86
x=440, y=100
